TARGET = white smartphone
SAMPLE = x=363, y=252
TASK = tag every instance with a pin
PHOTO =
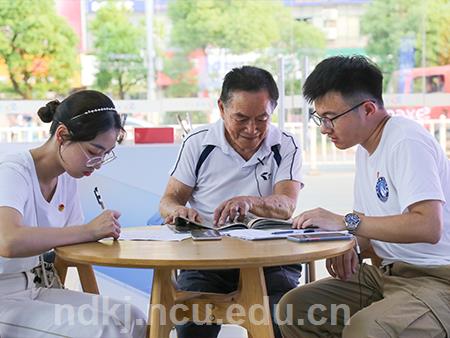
x=311, y=237
x=206, y=235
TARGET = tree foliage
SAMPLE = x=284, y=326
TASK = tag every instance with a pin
x=297, y=37
x=119, y=46
x=238, y=26
x=196, y=23
x=437, y=28
x=179, y=69
x=388, y=23
x=266, y=27
x=37, y=46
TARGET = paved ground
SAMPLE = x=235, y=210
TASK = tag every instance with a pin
x=329, y=190
x=326, y=189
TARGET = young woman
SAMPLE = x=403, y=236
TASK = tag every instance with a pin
x=40, y=209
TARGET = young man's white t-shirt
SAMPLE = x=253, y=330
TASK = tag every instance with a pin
x=225, y=174
x=20, y=190
x=407, y=167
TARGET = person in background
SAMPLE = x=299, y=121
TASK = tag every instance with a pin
x=239, y=165
x=401, y=210
x=40, y=209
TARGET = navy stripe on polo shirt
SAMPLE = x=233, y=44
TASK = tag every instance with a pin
x=182, y=148
x=295, y=152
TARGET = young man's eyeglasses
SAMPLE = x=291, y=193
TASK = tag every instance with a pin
x=98, y=160
x=327, y=122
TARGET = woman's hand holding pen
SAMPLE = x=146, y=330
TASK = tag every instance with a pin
x=105, y=225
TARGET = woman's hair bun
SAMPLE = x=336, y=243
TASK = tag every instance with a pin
x=46, y=113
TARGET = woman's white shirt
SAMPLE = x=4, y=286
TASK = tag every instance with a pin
x=19, y=189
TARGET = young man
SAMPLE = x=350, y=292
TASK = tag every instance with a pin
x=402, y=184
x=241, y=164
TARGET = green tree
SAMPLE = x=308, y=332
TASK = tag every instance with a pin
x=298, y=39
x=250, y=25
x=37, y=46
x=119, y=49
x=437, y=27
x=178, y=68
x=388, y=23
x=239, y=27
x=195, y=24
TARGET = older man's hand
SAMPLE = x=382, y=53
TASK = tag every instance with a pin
x=182, y=211
x=234, y=209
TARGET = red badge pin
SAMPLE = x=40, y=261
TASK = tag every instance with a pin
x=61, y=207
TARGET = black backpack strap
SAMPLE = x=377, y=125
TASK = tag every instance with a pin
x=205, y=153
x=276, y=153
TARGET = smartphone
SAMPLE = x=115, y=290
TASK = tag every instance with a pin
x=183, y=225
x=318, y=237
x=206, y=235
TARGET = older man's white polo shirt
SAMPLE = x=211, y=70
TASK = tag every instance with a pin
x=225, y=174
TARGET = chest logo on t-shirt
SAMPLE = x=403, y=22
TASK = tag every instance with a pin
x=382, y=189
x=61, y=207
x=266, y=176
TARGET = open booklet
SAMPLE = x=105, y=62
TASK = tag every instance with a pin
x=250, y=222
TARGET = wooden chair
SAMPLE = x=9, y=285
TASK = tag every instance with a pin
x=310, y=272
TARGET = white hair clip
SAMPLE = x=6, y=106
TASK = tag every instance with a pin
x=92, y=111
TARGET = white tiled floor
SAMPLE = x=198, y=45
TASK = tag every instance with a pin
x=227, y=331
x=73, y=283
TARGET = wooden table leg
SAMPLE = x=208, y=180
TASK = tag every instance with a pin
x=87, y=278
x=253, y=298
x=85, y=273
x=162, y=301
x=61, y=267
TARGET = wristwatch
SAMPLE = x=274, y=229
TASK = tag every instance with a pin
x=352, y=221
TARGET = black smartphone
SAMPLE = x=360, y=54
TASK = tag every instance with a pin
x=311, y=237
x=206, y=235
x=183, y=225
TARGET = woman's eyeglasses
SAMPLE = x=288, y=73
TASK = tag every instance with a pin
x=98, y=160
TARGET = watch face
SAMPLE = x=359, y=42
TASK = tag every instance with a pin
x=352, y=220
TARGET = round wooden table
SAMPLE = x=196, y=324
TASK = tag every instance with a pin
x=166, y=257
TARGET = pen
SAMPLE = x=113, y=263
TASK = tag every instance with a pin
x=99, y=198
x=282, y=232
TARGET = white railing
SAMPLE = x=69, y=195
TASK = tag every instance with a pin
x=317, y=149
x=320, y=150
x=23, y=134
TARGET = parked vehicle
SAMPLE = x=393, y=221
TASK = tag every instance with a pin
x=427, y=81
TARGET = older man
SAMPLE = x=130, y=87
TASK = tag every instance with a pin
x=241, y=164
